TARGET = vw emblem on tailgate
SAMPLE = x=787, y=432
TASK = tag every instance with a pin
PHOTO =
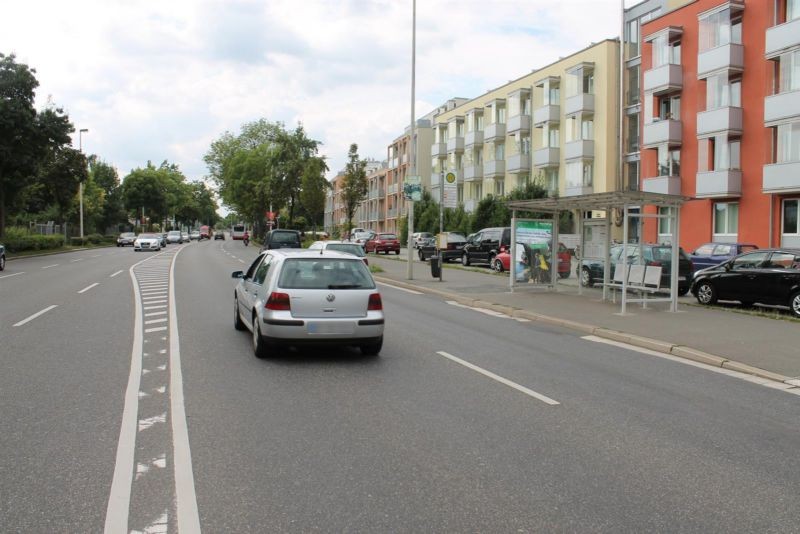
x=331, y=297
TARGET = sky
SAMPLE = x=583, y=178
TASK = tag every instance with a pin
x=161, y=80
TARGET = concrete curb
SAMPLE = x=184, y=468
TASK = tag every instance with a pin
x=664, y=347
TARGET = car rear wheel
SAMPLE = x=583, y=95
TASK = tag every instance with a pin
x=794, y=304
x=706, y=294
x=2, y=263
x=497, y=266
x=238, y=324
x=586, y=277
x=372, y=349
x=465, y=260
x=421, y=255
x=396, y=252
x=259, y=346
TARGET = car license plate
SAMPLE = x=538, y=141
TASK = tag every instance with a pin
x=329, y=327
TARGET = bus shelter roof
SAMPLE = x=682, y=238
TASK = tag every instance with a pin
x=598, y=201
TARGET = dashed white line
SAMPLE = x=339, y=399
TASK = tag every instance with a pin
x=79, y=259
x=507, y=382
x=50, y=266
x=155, y=329
x=35, y=315
x=400, y=288
x=115, y=274
x=10, y=275
x=87, y=288
x=242, y=261
x=96, y=256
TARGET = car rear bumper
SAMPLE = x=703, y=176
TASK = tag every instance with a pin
x=360, y=329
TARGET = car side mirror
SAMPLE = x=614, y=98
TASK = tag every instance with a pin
x=728, y=266
x=237, y=274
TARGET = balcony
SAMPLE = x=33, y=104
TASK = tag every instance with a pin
x=519, y=124
x=666, y=185
x=474, y=138
x=576, y=190
x=455, y=144
x=494, y=167
x=719, y=184
x=392, y=189
x=581, y=149
x=439, y=150
x=495, y=131
x=546, y=157
x=781, y=107
x=473, y=173
x=582, y=103
x=727, y=120
x=782, y=37
x=519, y=163
x=546, y=114
x=662, y=132
x=391, y=213
x=782, y=178
x=729, y=58
x=664, y=79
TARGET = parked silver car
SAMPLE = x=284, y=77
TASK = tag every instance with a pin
x=298, y=297
x=147, y=242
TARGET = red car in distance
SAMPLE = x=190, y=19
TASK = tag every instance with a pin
x=385, y=243
x=502, y=261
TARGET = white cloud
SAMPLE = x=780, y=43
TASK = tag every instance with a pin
x=155, y=80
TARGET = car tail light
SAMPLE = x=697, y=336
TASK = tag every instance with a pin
x=654, y=263
x=502, y=248
x=278, y=302
x=375, y=302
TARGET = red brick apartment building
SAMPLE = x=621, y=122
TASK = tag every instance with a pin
x=721, y=120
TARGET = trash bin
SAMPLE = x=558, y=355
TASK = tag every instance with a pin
x=436, y=266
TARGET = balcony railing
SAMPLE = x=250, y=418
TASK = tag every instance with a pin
x=473, y=173
x=455, y=144
x=663, y=79
x=439, y=150
x=494, y=167
x=519, y=163
x=782, y=37
x=474, y=138
x=781, y=107
x=494, y=131
x=661, y=132
x=519, y=123
x=580, y=103
x=719, y=184
x=580, y=149
x=546, y=157
x=727, y=120
x=667, y=185
x=729, y=57
x=546, y=114
x=782, y=177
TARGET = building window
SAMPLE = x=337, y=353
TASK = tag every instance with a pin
x=726, y=218
x=479, y=122
x=551, y=136
x=669, y=107
x=720, y=28
x=721, y=92
x=580, y=81
x=633, y=38
x=500, y=151
x=719, y=154
x=666, y=52
x=524, y=144
x=669, y=161
x=792, y=10
x=632, y=175
x=791, y=221
x=579, y=174
x=499, y=187
x=632, y=144
x=633, y=85
x=460, y=193
x=788, y=143
x=788, y=71
x=477, y=189
x=551, y=179
x=664, y=223
x=551, y=96
x=587, y=129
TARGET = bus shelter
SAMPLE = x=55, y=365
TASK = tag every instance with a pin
x=622, y=203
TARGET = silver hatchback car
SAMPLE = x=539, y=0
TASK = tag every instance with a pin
x=299, y=297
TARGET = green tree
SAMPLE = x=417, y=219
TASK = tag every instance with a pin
x=314, y=188
x=144, y=193
x=105, y=177
x=354, y=187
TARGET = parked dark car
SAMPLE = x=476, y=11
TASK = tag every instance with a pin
x=2, y=258
x=385, y=243
x=455, y=247
x=483, y=246
x=125, y=239
x=282, y=239
x=715, y=253
x=591, y=270
x=767, y=276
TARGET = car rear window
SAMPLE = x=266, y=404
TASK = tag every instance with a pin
x=455, y=237
x=387, y=236
x=357, y=250
x=285, y=237
x=665, y=253
x=325, y=273
x=705, y=250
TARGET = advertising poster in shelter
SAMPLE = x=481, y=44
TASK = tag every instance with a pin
x=533, y=252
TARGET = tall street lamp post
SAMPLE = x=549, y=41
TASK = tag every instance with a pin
x=80, y=149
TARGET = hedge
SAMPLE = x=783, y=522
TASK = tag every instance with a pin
x=18, y=240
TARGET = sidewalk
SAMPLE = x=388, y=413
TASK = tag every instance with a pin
x=719, y=337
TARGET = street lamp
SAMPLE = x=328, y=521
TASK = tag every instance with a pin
x=80, y=149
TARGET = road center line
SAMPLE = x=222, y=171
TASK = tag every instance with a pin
x=49, y=266
x=10, y=275
x=79, y=259
x=35, y=315
x=87, y=288
x=507, y=382
x=400, y=288
x=116, y=273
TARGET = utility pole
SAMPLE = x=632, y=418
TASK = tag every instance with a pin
x=80, y=184
x=412, y=153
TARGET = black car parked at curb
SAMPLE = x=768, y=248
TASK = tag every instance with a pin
x=483, y=246
x=455, y=247
x=766, y=276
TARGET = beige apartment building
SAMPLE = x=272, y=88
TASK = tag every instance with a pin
x=558, y=125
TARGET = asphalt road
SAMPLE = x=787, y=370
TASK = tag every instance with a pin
x=467, y=421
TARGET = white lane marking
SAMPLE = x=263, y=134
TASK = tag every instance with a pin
x=87, y=288
x=720, y=370
x=116, y=273
x=96, y=256
x=154, y=285
x=153, y=314
x=242, y=261
x=188, y=516
x=480, y=310
x=507, y=382
x=151, y=301
x=160, y=306
x=35, y=315
x=79, y=259
x=154, y=297
x=400, y=288
x=153, y=293
x=156, y=321
x=10, y=275
x=156, y=329
x=50, y=266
